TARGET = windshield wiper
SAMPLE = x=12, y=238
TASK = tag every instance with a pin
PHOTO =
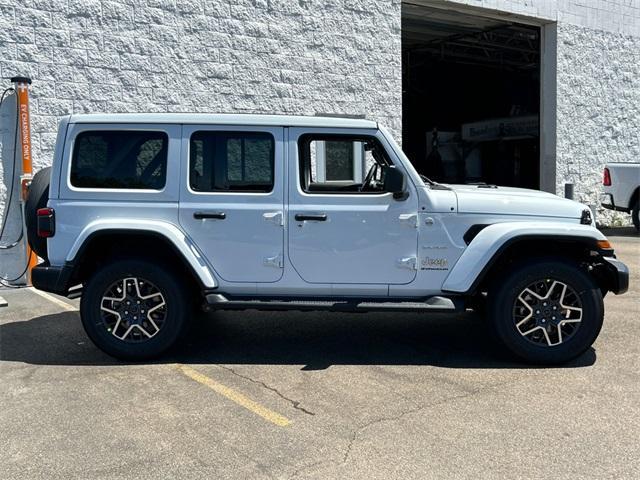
x=426, y=179
x=432, y=184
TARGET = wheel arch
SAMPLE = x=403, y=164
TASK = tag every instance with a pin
x=161, y=241
x=498, y=246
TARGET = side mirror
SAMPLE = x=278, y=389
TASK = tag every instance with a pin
x=395, y=182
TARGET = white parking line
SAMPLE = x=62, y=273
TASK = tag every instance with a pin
x=55, y=300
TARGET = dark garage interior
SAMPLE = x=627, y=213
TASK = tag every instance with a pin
x=471, y=97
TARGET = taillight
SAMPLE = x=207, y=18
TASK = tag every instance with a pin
x=46, y=222
x=606, y=178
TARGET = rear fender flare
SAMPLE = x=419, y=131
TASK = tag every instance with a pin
x=183, y=244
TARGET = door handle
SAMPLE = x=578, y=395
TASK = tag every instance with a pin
x=203, y=215
x=319, y=217
x=275, y=217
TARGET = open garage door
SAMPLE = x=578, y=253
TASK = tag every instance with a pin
x=471, y=96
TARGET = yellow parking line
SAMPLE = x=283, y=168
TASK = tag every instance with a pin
x=236, y=397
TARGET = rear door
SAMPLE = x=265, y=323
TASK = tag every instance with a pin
x=232, y=199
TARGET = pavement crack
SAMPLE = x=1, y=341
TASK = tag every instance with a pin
x=357, y=431
x=294, y=403
x=411, y=411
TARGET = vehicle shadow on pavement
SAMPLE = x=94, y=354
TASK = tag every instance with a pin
x=315, y=340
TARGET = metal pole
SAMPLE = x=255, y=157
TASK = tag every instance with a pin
x=568, y=191
x=22, y=92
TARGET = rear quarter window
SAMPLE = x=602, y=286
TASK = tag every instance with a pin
x=231, y=161
x=120, y=159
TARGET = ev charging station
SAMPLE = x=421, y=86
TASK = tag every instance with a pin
x=22, y=170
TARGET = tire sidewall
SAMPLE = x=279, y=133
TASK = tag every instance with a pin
x=170, y=331
x=501, y=311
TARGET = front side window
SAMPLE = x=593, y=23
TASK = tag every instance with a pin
x=120, y=159
x=341, y=164
x=231, y=161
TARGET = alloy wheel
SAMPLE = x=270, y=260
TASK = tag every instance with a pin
x=133, y=310
x=547, y=312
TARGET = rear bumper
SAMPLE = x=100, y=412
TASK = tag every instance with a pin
x=606, y=200
x=52, y=279
x=617, y=275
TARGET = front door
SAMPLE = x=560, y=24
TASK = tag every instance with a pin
x=231, y=203
x=344, y=228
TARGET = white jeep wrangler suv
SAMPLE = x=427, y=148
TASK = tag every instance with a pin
x=148, y=215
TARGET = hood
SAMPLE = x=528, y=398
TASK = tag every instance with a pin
x=514, y=201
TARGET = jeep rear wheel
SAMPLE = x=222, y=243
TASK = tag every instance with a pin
x=134, y=310
x=547, y=312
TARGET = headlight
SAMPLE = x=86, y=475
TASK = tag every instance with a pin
x=586, y=218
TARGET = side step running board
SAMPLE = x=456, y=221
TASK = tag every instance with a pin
x=218, y=301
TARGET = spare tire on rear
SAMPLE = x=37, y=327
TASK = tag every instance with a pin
x=38, y=197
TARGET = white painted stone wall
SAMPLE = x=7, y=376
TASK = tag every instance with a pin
x=259, y=56
x=598, y=109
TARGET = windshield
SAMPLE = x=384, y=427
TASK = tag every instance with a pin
x=408, y=163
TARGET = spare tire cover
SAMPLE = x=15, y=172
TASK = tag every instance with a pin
x=38, y=197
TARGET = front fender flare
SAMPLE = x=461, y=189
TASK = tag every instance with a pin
x=169, y=231
x=487, y=246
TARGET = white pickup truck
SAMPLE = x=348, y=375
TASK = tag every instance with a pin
x=621, y=182
x=146, y=215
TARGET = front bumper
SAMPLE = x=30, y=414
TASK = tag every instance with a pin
x=617, y=275
x=52, y=279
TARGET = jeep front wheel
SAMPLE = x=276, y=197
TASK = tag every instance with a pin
x=133, y=310
x=547, y=312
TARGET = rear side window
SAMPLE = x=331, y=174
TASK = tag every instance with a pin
x=120, y=159
x=231, y=161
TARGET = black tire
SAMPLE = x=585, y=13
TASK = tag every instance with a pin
x=635, y=215
x=96, y=322
x=38, y=197
x=502, y=312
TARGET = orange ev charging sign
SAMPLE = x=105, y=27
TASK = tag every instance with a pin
x=22, y=91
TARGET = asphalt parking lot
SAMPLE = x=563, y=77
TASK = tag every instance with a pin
x=317, y=395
